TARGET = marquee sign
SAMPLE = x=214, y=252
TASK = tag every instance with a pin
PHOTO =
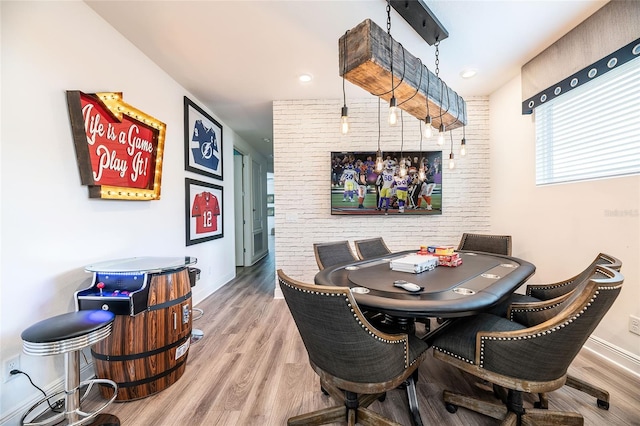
x=118, y=147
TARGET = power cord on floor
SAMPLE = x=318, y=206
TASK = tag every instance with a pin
x=56, y=407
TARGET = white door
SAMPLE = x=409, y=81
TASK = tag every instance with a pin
x=238, y=200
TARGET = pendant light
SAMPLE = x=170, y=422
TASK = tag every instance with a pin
x=344, y=119
x=421, y=172
x=403, y=164
x=441, y=128
x=393, y=103
x=379, y=152
x=428, y=120
x=452, y=163
x=463, y=143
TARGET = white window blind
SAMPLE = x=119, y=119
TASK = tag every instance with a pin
x=593, y=131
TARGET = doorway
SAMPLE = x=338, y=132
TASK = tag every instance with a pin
x=238, y=200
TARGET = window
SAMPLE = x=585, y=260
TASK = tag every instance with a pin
x=593, y=131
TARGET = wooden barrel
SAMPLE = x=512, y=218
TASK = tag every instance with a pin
x=147, y=352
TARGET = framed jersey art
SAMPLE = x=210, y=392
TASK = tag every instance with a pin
x=204, y=213
x=202, y=141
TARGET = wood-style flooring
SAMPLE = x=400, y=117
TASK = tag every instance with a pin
x=251, y=368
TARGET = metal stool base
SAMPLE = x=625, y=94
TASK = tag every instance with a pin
x=80, y=416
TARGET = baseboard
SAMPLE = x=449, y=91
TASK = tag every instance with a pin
x=614, y=354
x=14, y=416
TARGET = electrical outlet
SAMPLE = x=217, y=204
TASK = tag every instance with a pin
x=634, y=324
x=12, y=363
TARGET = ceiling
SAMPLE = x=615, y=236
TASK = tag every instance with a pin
x=236, y=57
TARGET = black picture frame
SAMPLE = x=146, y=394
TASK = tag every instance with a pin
x=360, y=193
x=203, y=142
x=204, y=211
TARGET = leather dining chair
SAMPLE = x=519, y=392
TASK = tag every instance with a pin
x=357, y=363
x=521, y=306
x=333, y=253
x=372, y=247
x=527, y=358
x=497, y=244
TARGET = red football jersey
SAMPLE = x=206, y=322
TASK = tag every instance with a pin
x=206, y=211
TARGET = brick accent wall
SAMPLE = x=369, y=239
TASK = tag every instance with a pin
x=307, y=131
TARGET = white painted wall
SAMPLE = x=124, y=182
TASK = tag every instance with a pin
x=561, y=228
x=50, y=228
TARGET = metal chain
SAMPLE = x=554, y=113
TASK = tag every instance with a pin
x=437, y=43
x=389, y=17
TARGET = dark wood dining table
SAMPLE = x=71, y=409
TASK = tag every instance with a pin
x=482, y=281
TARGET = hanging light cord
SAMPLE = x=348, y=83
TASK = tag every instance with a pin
x=420, y=141
x=391, y=42
x=378, y=124
x=404, y=63
x=404, y=69
x=464, y=125
x=458, y=109
x=344, y=68
x=419, y=82
x=401, y=136
x=427, y=93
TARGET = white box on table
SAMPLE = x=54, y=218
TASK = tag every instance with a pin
x=414, y=263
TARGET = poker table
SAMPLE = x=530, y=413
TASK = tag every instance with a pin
x=480, y=282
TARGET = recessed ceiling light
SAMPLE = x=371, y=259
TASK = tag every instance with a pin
x=468, y=73
x=305, y=78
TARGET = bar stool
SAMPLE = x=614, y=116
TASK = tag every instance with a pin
x=68, y=334
x=196, y=333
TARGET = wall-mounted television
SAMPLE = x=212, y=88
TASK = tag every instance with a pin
x=360, y=187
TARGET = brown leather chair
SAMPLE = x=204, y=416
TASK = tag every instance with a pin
x=357, y=364
x=370, y=248
x=498, y=244
x=333, y=253
x=527, y=358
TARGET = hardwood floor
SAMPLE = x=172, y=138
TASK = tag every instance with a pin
x=251, y=368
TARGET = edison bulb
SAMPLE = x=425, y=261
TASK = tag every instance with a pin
x=393, y=111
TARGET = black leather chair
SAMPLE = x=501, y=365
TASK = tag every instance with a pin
x=523, y=308
x=357, y=363
x=522, y=358
x=498, y=244
x=333, y=253
x=372, y=247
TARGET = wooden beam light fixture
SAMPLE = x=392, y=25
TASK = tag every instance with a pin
x=371, y=59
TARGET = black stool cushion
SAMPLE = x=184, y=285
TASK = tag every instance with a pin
x=67, y=326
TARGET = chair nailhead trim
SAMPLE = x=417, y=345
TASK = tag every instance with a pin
x=484, y=339
x=451, y=354
x=540, y=309
x=405, y=342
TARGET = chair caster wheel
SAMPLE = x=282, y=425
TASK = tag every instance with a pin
x=604, y=405
x=451, y=408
